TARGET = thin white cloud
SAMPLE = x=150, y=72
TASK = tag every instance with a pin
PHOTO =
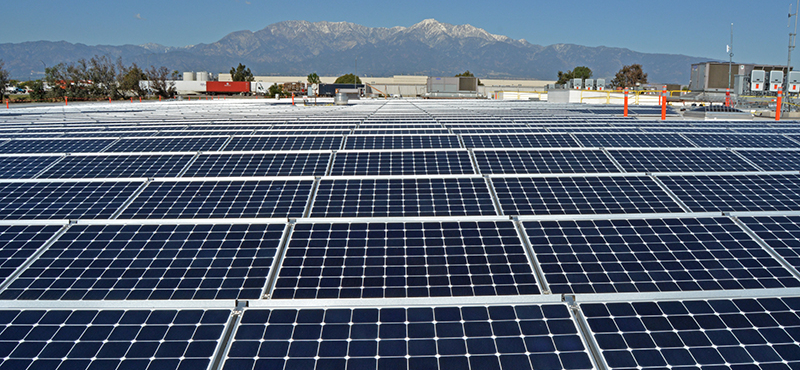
x=139, y=17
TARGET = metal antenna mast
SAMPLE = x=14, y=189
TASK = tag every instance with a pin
x=730, y=56
x=792, y=36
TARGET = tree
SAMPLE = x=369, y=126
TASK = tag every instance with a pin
x=577, y=72
x=160, y=83
x=276, y=89
x=241, y=73
x=467, y=73
x=37, y=90
x=3, y=81
x=314, y=79
x=629, y=76
x=102, y=77
x=348, y=79
x=129, y=78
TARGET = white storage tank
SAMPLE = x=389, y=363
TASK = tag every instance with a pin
x=188, y=76
x=202, y=76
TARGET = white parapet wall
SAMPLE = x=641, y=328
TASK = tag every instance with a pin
x=602, y=97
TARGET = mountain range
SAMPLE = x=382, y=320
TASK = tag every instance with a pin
x=334, y=48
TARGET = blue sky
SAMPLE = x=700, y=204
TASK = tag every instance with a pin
x=696, y=28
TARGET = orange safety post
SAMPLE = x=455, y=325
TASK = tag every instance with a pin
x=7, y=104
x=140, y=99
x=159, y=98
x=292, y=98
x=109, y=99
x=625, y=109
x=65, y=101
x=664, y=103
x=131, y=99
x=778, y=105
x=727, y=97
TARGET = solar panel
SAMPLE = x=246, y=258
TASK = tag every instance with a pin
x=110, y=339
x=24, y=167
x=742, y=141
x=581, y=195
x=276, y=143
x=63, y=200
x=633, y=140
x=520, y=141
x=741, y=333
x=652, y=255
x=110, y=166
x=476, y=337
x=259, y=164
x=19, y=242
x=220, y=199
x=404, y=259
x=179, y=144
x=55, y=145
x=401, y=142
x=543, y=161
x=135, y=262
x=680, y=161
x=773, y=160
x=402, y=198
x=710, y=193
x=440, y=162
x=781, y=233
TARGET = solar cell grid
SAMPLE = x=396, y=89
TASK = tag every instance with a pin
x=110, y=339
x=63, y=200
x=582, y=195
x=401, y=142
x=220, y=199
x=680, y=161
x=477, y=337
x=633, y=140
x=742, y=141
x=278, y=143
x=111, y=166
x=715, y=334
x=781, y=233
x=55, y=145
x=652, y=255
x=136, y=262
x=773, y=160
x=18, y=243
x=175, y=144
x=259, y=164
x=714, y=193
x=543, y=161
x=411, y=259
x=24, y=167
x=520, y=141
x=445, y=162
x=402, y=198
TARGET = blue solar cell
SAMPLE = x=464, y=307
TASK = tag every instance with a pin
x=63, y=200
x=543, y=161
x=220, y=199
x=135, y=262
x=110, y=339
x=712, y=193
x=284, y=143
x=402, y=142
x=680, y=161
x=709, y=140
x=403, y=198
x=716, y=334
x=110, y=166
x=773, y=160
x=404, y=260
x=494, y=337
x=582, y=195
x=17, y=243
x=55, y=145
x=781, y=233
x=181, y=144
x=650, y=255
x=633, y=140
x=259, y=164
x=447, y=162
x=23, y=167
x=520, y=141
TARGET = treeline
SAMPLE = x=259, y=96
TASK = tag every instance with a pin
x=102, y=78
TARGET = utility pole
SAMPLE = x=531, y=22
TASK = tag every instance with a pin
x=792, y=36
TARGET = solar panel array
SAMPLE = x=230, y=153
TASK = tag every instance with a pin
x=401, y=234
